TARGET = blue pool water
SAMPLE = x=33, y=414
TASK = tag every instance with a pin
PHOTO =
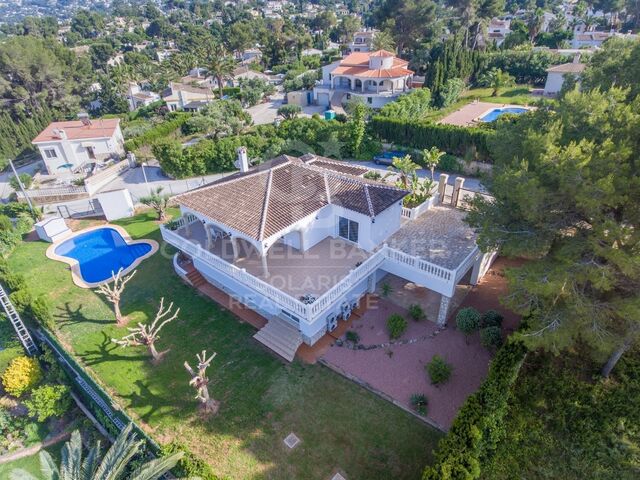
x=100, y=252
x=492, y=115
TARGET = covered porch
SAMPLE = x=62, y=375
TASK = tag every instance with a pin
x=295, y=272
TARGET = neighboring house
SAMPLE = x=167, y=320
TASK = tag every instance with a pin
x=251, y=55
x=140, y=98
x=302, y=240
x=310, y=52
x=116, y=60
x=246, y=73
x=377, y=77
x=165, y=54
x=498, y=30
x=179, y=95
x=362, y=41
x=596, y=39
x=557, y=74
x=66, y=146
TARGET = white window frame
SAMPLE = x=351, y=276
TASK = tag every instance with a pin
x=50, y=153
x=350, y=224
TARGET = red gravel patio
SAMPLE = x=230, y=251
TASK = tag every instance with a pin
x=398, y=371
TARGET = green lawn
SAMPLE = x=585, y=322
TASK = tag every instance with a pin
x=30, y=464
x=341, y=425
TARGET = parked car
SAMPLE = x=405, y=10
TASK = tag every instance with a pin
x=386, y=158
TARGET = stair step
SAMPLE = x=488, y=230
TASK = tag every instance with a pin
x=281, y=338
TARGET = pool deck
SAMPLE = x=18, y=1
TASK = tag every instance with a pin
x=74, y=266
x=470, y=113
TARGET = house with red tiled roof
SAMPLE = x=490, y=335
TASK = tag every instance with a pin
x=377, y=77
x=301, y=240
x=67, y=146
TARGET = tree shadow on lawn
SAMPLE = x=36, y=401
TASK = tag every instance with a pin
x=104, y=353
x=69, y=316
x=154, y=404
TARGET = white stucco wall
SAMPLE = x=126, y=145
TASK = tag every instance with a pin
x=116, y=204
x=554, y=83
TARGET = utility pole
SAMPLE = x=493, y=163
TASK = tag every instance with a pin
x=21, y=186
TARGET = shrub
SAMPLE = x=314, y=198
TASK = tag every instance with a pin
x=289, y=111
x=396, y=325
x=48, y=401
x=449, y=163
x=468, y=320
x=416, y=312
x=161, y=130
x=5, y=223
x=14, y=281
x=22, y=374
x=424, y=134
x=387, y=289
x=491, y=337
x=479, y=424
x=419, y=402
x=189, y=466
x=491, y=318
x=25, y=178
x=24, y=224
x=21, y=299
x=352, y=336
x=439, y=370
x=372, y=175
x=40, y=310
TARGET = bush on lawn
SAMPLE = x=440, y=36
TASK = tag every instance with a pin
x=48, y=401
x=479, y=425
x=416, y=312
x=189, y=466
x=396, y=325
x=439, y=370
x=491, y=337
x=21, y=299
x=468, y=320
x=491, y=318
x=22, y=374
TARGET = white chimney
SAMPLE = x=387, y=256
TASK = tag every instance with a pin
x=243, y=160
x=59, y=133
x=84, y=118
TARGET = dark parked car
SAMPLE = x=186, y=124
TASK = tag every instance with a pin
x=386, y=158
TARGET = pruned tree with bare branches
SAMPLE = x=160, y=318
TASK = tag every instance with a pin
x=148, y=335
x=113, y=292
x=200, y=382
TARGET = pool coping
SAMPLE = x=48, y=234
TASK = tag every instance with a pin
x=74, y=265
x=479, y=118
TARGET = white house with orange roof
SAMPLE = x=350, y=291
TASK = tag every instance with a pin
x=66, y=146
x=377, y=77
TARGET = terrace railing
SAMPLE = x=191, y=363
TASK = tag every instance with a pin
x=311, y=312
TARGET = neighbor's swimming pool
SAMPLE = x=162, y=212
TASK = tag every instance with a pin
x=492, y=115
x=100, y=252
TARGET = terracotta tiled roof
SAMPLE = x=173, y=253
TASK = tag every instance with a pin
x=372, y=73
x=76, y=130
x=361, y=59
x=568, y=68
x=381, y=53
x=329, y=164
x=273, y=196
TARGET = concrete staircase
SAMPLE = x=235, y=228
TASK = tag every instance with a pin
x=281, y=337
x=196, y=278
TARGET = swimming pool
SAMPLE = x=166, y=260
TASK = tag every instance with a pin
x=97, y=253
x=492, y=115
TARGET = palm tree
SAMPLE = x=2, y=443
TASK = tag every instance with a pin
x=431, y=157
x=404, y=167
x=158, y=201
x=497, y=79
x=220, y=65
x=113, y=466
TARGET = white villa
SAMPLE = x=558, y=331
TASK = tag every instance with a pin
x=301, y=240
x=378, y=78
x=67, y=146
x=362, y=41
x=557, y=74
x=136, y=97
x=180, y=96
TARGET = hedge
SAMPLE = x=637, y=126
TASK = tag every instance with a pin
x=156, y=133
x=424, y=134
x=479, y=427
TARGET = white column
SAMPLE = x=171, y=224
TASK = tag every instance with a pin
x=456, y=191
x=265, y=267
x=362, y=85
x=444, y=309
x=234, y=247
x=207, y=231
x=302, y=241
x=442, y=186
x=475, y=273
x=371, y=283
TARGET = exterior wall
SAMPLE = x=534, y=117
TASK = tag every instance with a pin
x=554, y=83
x=116, y=204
